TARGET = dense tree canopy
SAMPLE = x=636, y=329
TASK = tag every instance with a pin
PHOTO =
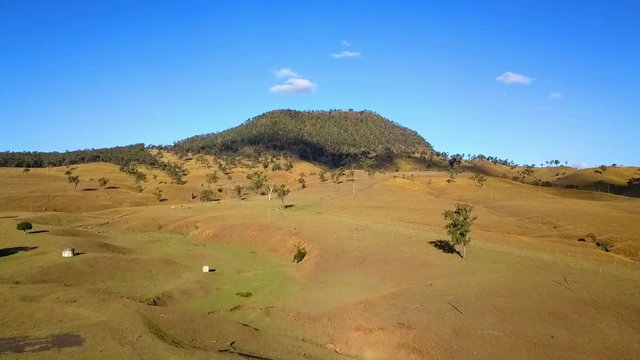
x=329, y=137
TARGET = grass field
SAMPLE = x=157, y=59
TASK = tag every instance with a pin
x=373, y=285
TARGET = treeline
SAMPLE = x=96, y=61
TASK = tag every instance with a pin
x=333, y=138
x=121, y=155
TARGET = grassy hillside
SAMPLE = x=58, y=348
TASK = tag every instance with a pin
x=330, y=137
x=373, y=284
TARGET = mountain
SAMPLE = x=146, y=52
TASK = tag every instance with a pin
x=333, y=138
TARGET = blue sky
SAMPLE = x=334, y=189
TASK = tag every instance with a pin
x=525, y=80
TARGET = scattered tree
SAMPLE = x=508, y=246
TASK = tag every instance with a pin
x=258, y=180
x=281, y=193
x=459, y=225
x=212, y=178
x=322, y=175
x=336, y=175
x=158, y=194
x=24, y=226
x=454, y=167
x=479, y=179
x=75, y=180
x=102, y=182
x=302, y=182
x=238, y=191
x=299, y=255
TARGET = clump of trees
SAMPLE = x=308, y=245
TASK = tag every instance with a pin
x=603, y=244
x=458, y=227
x=24, y=226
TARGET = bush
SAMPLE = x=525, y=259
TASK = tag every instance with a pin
x=244, y=294
x=299, y=255
x=24, y=226
x=209, y=195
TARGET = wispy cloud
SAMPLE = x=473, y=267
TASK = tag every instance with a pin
x=294, y=85
x=555, y=96
x=347, y=54
x=285, y=73
x=513, y=78
x=345, y=43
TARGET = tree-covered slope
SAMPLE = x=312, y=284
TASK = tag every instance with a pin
x=330, y=137
x=120, y=155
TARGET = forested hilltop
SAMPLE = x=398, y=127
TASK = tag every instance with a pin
x=331, y=137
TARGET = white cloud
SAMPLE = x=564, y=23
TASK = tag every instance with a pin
x=285, y=73
x=345, y=43
x=512, y=78
x=555, y=96
x=294, y=85
x=347, y=54
x=581, y=165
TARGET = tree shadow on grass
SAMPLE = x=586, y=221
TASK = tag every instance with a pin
x=38, y=231
x=445, y=247
x=14, y=250
x=90, y=189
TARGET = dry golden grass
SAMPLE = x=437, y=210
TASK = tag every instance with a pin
x=371, y=287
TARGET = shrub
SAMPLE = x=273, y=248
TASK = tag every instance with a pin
x=208, y=195
x=24, y=226
x=244, y=294
x=299, y=255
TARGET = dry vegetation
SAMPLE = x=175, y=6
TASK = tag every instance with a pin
x=372, y=283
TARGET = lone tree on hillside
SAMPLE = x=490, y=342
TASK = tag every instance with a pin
x=282, y=192
x=459, y=226
x=75, y=180
x=24, y=226
x=238, y=191
x=103, y=181
x=454, y=167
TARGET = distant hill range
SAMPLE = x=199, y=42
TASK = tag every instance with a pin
x=333, y=138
